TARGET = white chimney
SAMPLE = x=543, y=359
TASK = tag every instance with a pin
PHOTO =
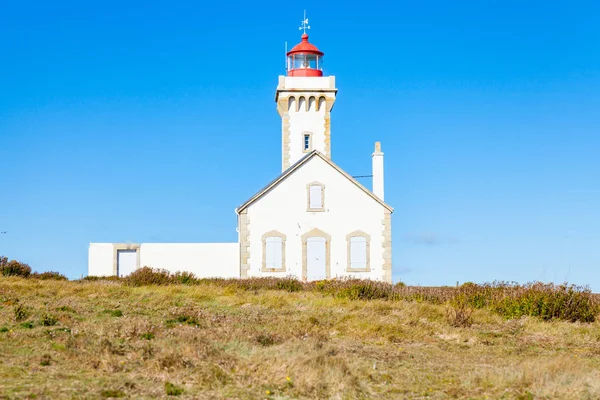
x=378, y=171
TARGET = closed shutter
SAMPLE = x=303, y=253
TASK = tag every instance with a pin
x=274, y=252
x=316, y=196
x=358, y=252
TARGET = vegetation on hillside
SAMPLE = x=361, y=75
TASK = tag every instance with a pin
x=160, y=335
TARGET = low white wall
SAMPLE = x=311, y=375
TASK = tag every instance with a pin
x=100, y=259
x=205, y=260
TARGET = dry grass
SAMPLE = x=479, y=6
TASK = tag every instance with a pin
x=214, y=339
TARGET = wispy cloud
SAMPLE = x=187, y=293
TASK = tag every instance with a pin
x=429, y=239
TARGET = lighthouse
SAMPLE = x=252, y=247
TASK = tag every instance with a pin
x=304, y=98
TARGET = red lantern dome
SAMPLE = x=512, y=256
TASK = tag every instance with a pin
x=305, y=59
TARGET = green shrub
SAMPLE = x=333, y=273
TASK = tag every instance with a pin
x=45, y=360
x=21, y=313
x=290, y=285
x=27, y=325
x=355, y=289
x=173, y=390
x=148, y=276
x=94, y=278
x=183, y=319
x=49, y=275
x=66, y=309
x=112, y=393
x=114, y=313
x=265, y=339
x=4, y=329
x=185, y=278
x=148, y=336
x=15, y=268
x=459, y=316
x=48, y=320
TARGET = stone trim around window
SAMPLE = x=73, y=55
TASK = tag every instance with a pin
x=125, y=246
x=322, y=197
x=316, y=232
x=348, y=265
x=264, y=252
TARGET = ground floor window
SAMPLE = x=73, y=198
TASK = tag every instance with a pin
x=358, y=251
x=273, y=244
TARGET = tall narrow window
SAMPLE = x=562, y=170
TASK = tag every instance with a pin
x=273, y=252
x=273, y=256
x=358, y=252
x=306, y=142
x=316, y=201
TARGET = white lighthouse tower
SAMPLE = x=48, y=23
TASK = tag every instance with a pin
x=304, y=101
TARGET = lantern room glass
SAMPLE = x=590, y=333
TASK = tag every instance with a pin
x=305, y=61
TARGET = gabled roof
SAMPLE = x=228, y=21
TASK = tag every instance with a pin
x=299, y=164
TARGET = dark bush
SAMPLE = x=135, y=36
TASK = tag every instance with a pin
x=94, y=278
x=185, y=278
x=148, y=276
x=57, y=276
x=355, y=289
x=459, y=316
x=113, y=313
x=290, y=285
x=21, y=313
x=48, y=320
x=15, y=268
x=46, y=360
x=111, y=393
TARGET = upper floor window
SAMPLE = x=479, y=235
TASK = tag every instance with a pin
x=316, y=194
x=306, y=142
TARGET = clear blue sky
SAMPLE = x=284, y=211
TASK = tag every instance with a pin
x=120, y=120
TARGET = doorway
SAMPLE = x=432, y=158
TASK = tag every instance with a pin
x=316, y=258
x=126, y=262
x=315, y=255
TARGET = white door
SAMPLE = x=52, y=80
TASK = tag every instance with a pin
x=126, y=262
x=316, y=263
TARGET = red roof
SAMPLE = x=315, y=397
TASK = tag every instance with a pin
x=305, y=47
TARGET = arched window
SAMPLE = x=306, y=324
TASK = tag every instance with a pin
x=321, y=104
x=302, y=104
x=311, y=103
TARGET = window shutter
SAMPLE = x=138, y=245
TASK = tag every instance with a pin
x=278, y=253
x=274, y=252
x=358, y=252
x=316, y=198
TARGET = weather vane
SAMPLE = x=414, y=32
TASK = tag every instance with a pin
x=305, y=25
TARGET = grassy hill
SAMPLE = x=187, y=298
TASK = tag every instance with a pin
x=269, y=339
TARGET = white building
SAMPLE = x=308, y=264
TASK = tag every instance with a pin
x=314, y=221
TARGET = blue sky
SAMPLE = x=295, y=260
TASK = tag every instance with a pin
x=119, y=120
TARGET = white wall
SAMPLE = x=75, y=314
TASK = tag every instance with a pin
x=100, y=259
x=202, y=259
x=303, y=120
x=307, y=82
x=347, y=208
